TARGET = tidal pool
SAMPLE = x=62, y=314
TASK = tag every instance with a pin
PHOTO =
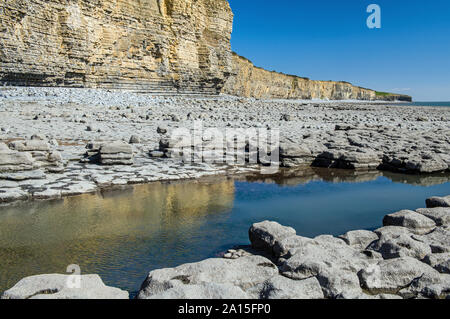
x=123, y=234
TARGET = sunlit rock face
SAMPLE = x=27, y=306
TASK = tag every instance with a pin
x=157, y=45
x=250, y=81
x=169, y=46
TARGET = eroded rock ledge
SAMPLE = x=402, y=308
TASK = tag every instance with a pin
x=409, y=257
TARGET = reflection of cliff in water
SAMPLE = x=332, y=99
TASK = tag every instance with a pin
x=45, y=237
x=303, y=175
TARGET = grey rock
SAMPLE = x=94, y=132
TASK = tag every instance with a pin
x=32, y=145
x=289, y=245
x=266, y=234
x=390, y=276
x=280, y=287
x=395, y=246
x=134, y=139
x=203, y=291
x=392, y=231
x=438, y=202
x=56, y=286
x=331, y=260
x=292, y=150
x=438, y=240
x=429, y=286
x=417, y=223
x=440, y=262
x=245, y=273
x=359, y=239
x=116, y=148
x=440, y=215
x=162, y=130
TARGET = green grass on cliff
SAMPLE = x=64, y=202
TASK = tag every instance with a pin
x=384, y=93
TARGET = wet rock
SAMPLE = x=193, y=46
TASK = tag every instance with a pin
x=417, y=223
x=59, y=287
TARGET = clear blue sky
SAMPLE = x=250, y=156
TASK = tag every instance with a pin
x=329, y=40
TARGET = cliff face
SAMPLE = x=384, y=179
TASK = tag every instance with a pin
x=165, y=45
x=153, y=45
x=250, y=81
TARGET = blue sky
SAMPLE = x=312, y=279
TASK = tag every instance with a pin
x=329, y=40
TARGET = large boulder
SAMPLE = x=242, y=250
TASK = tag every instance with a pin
x=244, y=273
x=438, y=202
x=400, y=245
x=266, y=234
x=57, y=286
x=417, y=223
x=440, y=215
x=334, y=263
x=392, y=275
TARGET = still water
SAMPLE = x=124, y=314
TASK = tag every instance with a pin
x=122, y=235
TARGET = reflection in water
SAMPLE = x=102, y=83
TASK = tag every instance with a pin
x=294, y=177
x=92, y=230
x=121, y=235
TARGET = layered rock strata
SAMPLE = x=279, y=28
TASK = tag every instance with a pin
x=159, y=46
x=247, y=80
x=154, y=45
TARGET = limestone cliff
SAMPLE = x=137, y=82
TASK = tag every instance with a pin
x=156, y=45
x=250, y=81
x=151, y=45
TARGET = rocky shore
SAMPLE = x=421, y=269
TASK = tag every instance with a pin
x=407, y=258
x=59, y=142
